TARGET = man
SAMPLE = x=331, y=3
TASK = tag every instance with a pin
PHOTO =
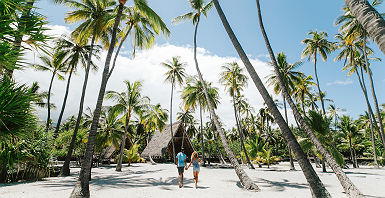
x=181, y=162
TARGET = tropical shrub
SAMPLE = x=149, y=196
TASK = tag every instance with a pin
x=131, y=155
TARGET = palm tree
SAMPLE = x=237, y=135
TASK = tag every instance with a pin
x=318, y=44
x=234, y=80
x=314, y=181
x=198, y=9
x=365, y=123
x=353, y=28
x=346, y=183
x=81, y=188
x=290, y=77
x=174, y=75
x=354, y=62
x=349, y=130
x=127, y=103
x=75, y=54
x=155, y=119
x=96, y=16
x=303, y=89
x=193, y=96
x=55, y=65
x=370, y=19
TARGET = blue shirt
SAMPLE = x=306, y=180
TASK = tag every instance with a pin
x=181, y=158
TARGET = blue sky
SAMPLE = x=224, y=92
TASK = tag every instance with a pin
x=286, y=22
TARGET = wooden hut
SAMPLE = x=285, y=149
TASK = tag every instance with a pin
x=160, y=144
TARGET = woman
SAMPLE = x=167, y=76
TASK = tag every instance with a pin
x=196, y=166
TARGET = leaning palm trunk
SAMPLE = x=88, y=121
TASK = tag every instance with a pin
x=373, y=92
x=288, y=147
x=49, y=103
x=316, y=186
x=65, y=171
x=81, y=188
x=348, y=186
x=64, y=103
x=318, y=87
x=240, y=132
x=245, y=180
x=370, y=19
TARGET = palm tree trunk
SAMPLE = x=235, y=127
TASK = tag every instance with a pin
x=81, y=188
x=355, y=157
x=319, y=89
x=373, y=142
x=65, y=171
x=288, y=147
x=347, y=184
x=373, y=91
x=123, y=144
x=316, y=186
x=118, y=50
x=240, y=132
x=245, y=180
x=351, y=153
x=49, y=102
x=202, y=136
x=172, y=135
x=370, y=19
x=64, y=103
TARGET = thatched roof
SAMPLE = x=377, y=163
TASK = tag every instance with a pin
x=160, y=142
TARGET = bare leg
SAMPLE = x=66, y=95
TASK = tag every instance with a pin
x=196, y=179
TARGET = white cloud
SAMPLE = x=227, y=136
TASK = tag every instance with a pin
x=340, y=82
x=146, y=68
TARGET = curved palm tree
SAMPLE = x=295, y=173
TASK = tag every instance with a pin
x=318, y=44
x=81, y=188
x=194, y=96
x=234, y=80
x=289, y=76
x=316, y=185
x=175, y=75
x=75, y=54
x=128, y=103
x=56, y=66
x=96, y=17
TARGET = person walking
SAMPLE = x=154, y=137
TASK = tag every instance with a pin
x=196, y=166
x=181, y=163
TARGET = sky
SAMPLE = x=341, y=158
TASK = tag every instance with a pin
x=287, y=24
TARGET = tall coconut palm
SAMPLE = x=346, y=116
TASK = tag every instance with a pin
x=96, y=17
x=353, y=27
x=56, y=66
x=316, y=185
x=193, y=97
x=75, y=54
x=111, y=129
x=155, y=119
x=290, y=77
x=234, y=80
x=175, y=75
x=318, y=44
x=128, y=103
x=370, y=19
x=346, y=183
x=349, y=130
x=200, y=8
x=81, y=188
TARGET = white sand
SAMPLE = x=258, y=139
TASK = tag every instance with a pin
x=145, y=180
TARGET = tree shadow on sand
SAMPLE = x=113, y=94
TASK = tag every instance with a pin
x=277, y=185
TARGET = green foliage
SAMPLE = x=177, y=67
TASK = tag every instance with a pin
x=16, y=113
x=131, y=155
x=62, y=143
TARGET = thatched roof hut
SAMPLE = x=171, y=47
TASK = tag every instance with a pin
x=160, y=144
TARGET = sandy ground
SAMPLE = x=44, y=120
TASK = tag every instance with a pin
x=145, y=180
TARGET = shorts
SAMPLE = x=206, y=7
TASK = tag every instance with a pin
x=196, y=168
x=180, y=170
